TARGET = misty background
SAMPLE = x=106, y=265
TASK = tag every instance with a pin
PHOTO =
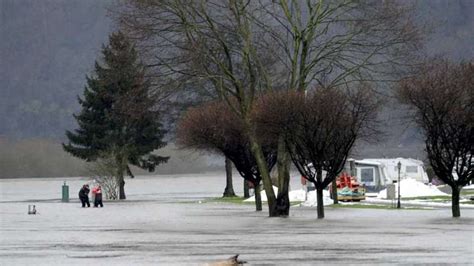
x=47, y=47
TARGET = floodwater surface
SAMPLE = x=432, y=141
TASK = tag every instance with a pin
x=165, y=222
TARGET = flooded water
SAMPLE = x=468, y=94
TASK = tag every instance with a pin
x=163, y=223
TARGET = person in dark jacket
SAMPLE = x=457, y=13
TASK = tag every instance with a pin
x=97, y=191
x=84, y=196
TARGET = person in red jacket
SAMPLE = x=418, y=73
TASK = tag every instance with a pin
x=97, y=191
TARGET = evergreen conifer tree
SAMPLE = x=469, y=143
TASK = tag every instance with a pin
x=119, y=117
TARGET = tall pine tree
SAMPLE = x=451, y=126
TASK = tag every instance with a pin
x=119, y=117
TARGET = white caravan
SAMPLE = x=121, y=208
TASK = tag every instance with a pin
x=410, y=168
x=376, y=173
x=372, y=174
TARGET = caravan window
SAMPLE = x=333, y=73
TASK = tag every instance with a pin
x=367, y=175
x=412, y=169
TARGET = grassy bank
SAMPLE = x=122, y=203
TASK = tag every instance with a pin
x=373, y=206
x=46, y=158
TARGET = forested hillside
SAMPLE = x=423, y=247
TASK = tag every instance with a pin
x=47, y=47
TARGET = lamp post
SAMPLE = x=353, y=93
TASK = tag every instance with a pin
x=399, y=166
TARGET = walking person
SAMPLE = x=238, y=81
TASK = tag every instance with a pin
x=97, y=191
x=84, y=196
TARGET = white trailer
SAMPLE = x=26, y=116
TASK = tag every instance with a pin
x=410, y=168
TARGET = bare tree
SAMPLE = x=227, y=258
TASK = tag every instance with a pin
x=214, y=127
x=333, y=43
x=212, y=41
x=442, y=97
x=321, y=129
x=240, y=48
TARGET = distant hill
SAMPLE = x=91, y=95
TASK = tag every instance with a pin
x=452, y=27
x=47, y=47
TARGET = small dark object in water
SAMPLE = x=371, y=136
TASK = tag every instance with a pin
x=31, y=209
x=232, y=261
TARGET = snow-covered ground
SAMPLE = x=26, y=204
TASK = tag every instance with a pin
x=410, y=188
x=162, y=223
x=470, y=187
x=299, y=195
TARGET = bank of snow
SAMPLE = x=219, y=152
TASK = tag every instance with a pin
x=295, y=195
x=469, y=187
x=299, y=195
x=311, y=201
x=410, y=188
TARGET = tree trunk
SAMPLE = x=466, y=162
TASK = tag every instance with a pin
x=262, y=168
x=258, y=198
x=122, y=188
x=283, y=163
x=246, y=189
x=334, y=191
x=283, y=204
x=229, y=187
x=455, y=201
x=319, y=195
x=120, y=178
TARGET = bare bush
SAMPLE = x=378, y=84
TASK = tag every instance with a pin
x=103, y=171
